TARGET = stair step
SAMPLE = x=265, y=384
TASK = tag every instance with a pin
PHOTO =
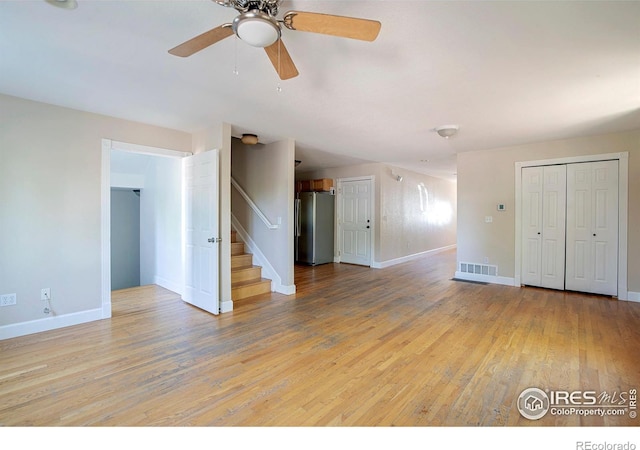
x=248, y=289
x=243, y=260
x=246, y=273
x=237, y=248
x=246, y=278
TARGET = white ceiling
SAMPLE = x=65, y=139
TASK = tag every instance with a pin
x=506, y=72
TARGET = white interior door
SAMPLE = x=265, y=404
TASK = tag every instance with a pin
x=544, y=215
x=592, y=227
x=532, y=187
x=201, y=231
x=355, y=222
x=554, y=209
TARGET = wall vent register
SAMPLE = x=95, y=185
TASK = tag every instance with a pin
x=479, y=269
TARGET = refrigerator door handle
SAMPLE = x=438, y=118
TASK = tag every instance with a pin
x=298, y=218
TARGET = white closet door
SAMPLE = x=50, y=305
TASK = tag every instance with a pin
x=532, y=183
x=543, y=229
x=554, y=209
x=592, y=227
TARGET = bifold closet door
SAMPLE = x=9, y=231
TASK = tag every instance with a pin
x=592, y=227
x=543, y=226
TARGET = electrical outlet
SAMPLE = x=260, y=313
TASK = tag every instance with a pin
x=45, y=294
x=7, y=299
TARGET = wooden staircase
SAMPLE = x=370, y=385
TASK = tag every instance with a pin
x=246, y=279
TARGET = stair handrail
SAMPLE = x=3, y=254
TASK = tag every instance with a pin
x=253, y=206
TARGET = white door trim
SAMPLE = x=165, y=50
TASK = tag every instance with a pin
x=623, y=190
x=339, y=198
x=105, y=208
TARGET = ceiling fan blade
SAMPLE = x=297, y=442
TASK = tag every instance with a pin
x=348, y=27
x=202, y=41
x=281, y=60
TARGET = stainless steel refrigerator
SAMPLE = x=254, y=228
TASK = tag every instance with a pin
x=314, y=213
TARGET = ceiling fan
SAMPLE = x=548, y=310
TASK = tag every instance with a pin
x=257, y=25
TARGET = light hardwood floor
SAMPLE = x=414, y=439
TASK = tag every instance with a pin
x=403, y=346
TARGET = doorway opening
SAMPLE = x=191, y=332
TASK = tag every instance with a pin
x=157, y=172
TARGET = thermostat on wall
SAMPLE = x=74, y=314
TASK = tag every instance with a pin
x=501, y=207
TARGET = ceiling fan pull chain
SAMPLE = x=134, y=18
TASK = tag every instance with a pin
x=235, y=63
x=279, y=88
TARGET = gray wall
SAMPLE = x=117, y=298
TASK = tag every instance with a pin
x=125, y=239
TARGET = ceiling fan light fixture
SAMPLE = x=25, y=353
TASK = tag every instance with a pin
x=65, y=4
x=446, y=131
x=256, y=28
x=249, y=139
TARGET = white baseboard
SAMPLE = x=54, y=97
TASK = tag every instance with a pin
x=168, y=284
x=393, y=262
x=286, y=289
x=507, y=281
x=226, y=306
x=49, y=323
x=633, y=296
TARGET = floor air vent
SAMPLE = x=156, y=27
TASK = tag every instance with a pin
x=479, y=269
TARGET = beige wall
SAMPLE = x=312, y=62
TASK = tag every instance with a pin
x=486, y=178
x=418, y=214
x=50, y=204
x=413, y=216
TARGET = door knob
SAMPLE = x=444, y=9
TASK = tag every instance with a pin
x=214, y=240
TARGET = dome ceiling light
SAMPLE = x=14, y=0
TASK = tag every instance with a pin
x=446, y=131
x=65, y=4
x=256, y=28
x=249, y=139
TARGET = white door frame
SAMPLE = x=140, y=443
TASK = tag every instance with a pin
x=105, y=207
x=623, y=200
x=372, y=212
